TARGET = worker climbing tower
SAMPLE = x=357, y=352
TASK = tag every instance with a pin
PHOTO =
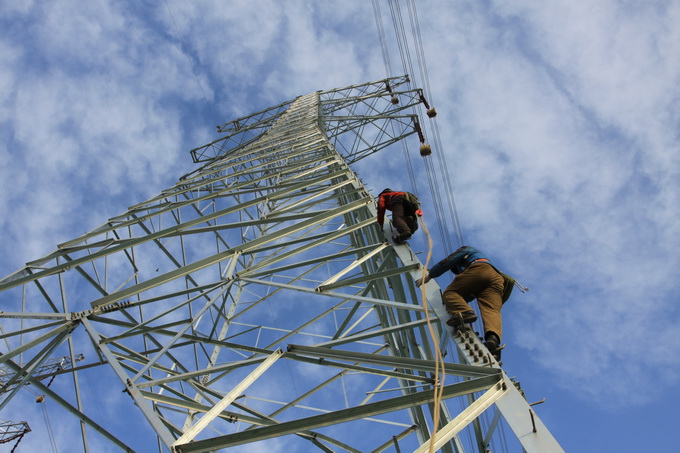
x=257, y=303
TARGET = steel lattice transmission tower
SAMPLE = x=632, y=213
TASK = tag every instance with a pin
x=255, y=303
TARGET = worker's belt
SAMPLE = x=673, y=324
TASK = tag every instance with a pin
x=480, y=260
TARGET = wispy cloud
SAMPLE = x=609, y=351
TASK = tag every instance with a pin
x=559, y=121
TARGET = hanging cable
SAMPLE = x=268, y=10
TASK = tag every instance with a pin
x=443, y=198
x=48, y=424
x=435, y=190
x=381, y=37
x=400, y=33
x=422, y=65
x=436, y=203
x=441, y=156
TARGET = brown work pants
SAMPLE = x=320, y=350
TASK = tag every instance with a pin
x=403, y=217
x=483, y=282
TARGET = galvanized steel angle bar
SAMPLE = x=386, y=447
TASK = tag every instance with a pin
x=397, y=362
x=246, y=223
x=382, y=139
x=279, y=139
x=131, y=389
x=368, y=300
x=323, y=384
x=64, y=327
x=492, y=428
x=391, y=373
x=469, y=414
x=77, y=413
x=278, y=246
x=393, y=442
x=191, y=405
x=372, y=333
x=172, y=258
x=161, y=279
x=366, y=278
x=255, y=119
x=309, y=322
x=135, y=220
x=200, y=425
x=26, y=315
x=356, y=155
x=275, y=142
x=189, y=375
x=25, y=372
x=256, y=129
x=261, y=165
x=315, y=189
x=128, y=356
x=315, y=168
x=355, y=121
x=171, y=295
x=340, y=416
x=173, y=376
x=233, y=417
x=407, y=99
x=529, y=429
x=302, y=264
x=96, y=283
x=262, y=270
x=144, y=329
x=369, y=101
x=316, y=221
x=310, y=145
x=93, y=245
x=176, y=337
x=131, y=242
x=309, y=204
x=363, y=88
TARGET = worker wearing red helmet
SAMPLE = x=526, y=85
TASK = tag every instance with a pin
x=404, y=207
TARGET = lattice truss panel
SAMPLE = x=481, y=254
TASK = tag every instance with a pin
x=255, y=299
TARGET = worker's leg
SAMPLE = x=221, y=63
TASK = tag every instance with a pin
x=463, y=288
x=490, y=299
x=412, y=222
x=454, y=302
x=399, y=221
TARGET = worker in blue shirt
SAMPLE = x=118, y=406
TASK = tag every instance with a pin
x=476, y=278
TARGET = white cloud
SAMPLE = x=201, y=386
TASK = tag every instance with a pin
x=559, y=121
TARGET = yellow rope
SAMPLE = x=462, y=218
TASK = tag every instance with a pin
x=439, y=363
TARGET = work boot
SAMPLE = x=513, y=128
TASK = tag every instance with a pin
x=461, y=318
x=493, y=344
x=401, y=238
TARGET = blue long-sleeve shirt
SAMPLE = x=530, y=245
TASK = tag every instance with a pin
x=457, y=262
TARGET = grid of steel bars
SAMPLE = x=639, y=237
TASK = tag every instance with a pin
x=256, y=300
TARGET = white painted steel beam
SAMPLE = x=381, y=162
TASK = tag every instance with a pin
x=192, y=432
x=470, y=413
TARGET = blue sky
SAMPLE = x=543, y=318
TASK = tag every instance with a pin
x=559, y=121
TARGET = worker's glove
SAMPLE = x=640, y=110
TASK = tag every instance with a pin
x=420, y=281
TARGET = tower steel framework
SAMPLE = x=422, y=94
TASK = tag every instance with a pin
x=257, y=303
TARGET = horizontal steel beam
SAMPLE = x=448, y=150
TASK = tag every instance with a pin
x=367, y=300
x=341, y=416
x=394, y=361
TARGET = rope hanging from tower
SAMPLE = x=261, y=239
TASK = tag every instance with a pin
x=443, y=198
